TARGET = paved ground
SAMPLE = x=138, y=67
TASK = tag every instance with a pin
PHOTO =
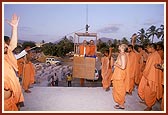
x=79, y=99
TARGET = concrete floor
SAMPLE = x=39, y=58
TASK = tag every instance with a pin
x=79, y=99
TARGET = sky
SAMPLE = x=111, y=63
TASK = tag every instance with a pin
x=50, y=22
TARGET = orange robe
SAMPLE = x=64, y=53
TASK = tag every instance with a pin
x=141, y=58
x=11, y=82
x=82, y=48
x=130, y=71
x=150, y=87
x=161, y=53
x=106, y=71
x=82, y=52
x=162, y=103
x=118, y=81
x=28, y=75
x=92, y=50
x=20, y=63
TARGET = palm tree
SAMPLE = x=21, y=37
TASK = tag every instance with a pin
x=124, y=40
x=109, y=42
x=152, y=32
x=99, y=42
x=160, y=32
x=141, y=36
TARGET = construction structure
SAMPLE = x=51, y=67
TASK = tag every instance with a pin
x=83, y=66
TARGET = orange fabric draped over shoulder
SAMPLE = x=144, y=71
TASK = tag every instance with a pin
x=139, y=64
x=106, y=71
x=29, y=74
x=20, y=63
x=131, y=71
x=118, y=81
x=92, y=49
x=161, y=53
x=150, y=87
x=81, y=50
x=11, y=82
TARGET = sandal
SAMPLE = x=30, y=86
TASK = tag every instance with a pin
x=143, y=102
x=118, y=107
x=148, y=109
x=27, y=91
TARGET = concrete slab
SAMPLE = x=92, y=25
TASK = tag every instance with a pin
x=79, y=99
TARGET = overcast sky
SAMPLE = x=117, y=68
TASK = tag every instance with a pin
x=50, y=22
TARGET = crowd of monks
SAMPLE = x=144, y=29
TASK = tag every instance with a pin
x=141, y=67
x=15, y=69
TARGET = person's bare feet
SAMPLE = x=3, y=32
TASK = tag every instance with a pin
x=148, y=109
x=27, y=91
x=119, y=107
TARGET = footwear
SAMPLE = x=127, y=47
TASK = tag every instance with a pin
x=30, y=87
x=129, y=93
x=118, y=107
x=27, y=91
x=143, y=102
x=107, y=89
x=148, y=109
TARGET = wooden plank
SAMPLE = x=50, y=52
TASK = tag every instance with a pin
x=84, y=67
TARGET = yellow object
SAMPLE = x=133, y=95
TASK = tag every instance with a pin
x=69, y=78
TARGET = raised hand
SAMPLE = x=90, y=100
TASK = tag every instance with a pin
x=110, y=49
x=14, y=21
x=134, y=37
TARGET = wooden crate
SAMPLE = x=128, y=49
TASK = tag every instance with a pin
x=84, y=67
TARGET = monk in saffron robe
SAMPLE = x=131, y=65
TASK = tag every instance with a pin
x=107, y=63
x=150, y=87
x=142, y=57
x=20, y=63
x=83, y=51
x=12, y=90
x=118, y=78
x=92, y=49
x=28, y=72
x=130, y=70
x=160, y=50
x=161, y=67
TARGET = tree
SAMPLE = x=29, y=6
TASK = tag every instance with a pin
x=48, y=49
x=101, y=45
x=124, y=41
x=160, y=32
x=43, y=41
x=115, y=45
x=65, y=46
x=99, y=42
x=109, y=42
x=141, y=36
x=29, y=43
x=151, y=32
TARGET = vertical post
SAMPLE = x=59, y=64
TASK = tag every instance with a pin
x=96, y=44
x=74, y=44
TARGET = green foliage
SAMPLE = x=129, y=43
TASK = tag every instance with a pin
x=66, y=45
x=124, y=41
x=29, y=43
x=101, y=46
x=145, y=37
x=60, y=49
